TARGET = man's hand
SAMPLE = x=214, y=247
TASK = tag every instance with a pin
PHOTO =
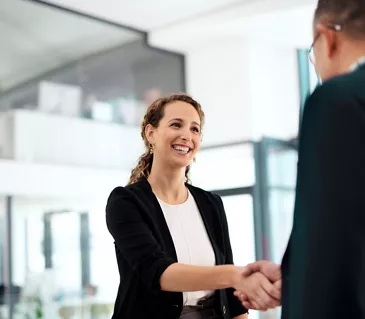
x=273, y=273
x=270, y=270
x=256, y=288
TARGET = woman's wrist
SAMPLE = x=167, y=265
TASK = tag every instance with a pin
x=234, y=276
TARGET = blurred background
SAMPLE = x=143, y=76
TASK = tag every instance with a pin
x=76, y=77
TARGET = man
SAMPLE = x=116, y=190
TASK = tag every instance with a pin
x=323, y=268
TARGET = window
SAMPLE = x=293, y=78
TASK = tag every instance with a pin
x=224, y=167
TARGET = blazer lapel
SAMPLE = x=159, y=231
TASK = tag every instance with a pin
x=160, y=220
x=207, y=213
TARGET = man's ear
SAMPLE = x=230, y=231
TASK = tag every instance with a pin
x=149, y=131
x=331, y=38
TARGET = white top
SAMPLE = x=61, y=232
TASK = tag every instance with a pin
x=190, y=238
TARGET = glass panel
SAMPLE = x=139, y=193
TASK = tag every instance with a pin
x=224, y=167
x=104, y=268
x=4, y=305
x=239, y=211
x=281, y=171
x=66, y=261
x=57, y=290
x=86, y=68
x=282, y=167
x=281, y=205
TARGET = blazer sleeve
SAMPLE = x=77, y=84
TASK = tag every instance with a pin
x=327, y=255
x=135, y=240
x=235, y=306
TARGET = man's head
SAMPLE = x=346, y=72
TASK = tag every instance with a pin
x=338, y=36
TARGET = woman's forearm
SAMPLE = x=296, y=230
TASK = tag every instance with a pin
x=183, y=278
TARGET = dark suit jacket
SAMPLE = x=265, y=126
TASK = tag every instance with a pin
x=324, y=264
x=144, y=249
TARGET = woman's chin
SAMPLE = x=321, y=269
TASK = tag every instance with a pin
x=181, y=163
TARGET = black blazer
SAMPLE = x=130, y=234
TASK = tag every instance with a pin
x=324, y=263
x=144, y=249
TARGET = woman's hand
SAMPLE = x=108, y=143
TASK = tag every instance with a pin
x=257, y=292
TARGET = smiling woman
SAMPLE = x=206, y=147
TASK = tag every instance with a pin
x=172, y=241
x=180, y=118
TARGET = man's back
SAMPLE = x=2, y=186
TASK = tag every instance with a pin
x=324, y=265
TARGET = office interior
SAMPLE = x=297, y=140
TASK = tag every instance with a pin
x=75, y=80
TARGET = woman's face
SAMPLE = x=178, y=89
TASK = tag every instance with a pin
x=177, y=138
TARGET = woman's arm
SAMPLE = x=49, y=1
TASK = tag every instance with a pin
x=181, y=277
x=245, y=316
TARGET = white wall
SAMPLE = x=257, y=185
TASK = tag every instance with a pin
x=43, y=138
x=247, y=90
x=217, y=77
x=56, y=181
x=6, y=135
x=274, y=90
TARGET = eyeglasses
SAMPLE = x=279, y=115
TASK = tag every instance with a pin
x=334, y=27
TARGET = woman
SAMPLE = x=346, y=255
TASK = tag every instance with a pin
x=172, y=243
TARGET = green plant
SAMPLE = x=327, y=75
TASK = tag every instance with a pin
x=39, y=308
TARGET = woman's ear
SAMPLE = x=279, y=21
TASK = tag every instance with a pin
x=149, y=132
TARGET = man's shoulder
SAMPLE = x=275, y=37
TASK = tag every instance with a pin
x=341, y=94
x=341, y=88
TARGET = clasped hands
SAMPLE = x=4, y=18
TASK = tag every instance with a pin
x=260, y=286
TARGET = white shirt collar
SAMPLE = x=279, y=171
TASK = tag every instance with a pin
x=357, y=64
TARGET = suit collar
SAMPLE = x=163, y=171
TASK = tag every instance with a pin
x=360, y=63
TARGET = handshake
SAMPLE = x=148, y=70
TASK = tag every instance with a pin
x=259, y=286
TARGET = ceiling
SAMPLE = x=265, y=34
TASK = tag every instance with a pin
x=149, y=14
x=179, y=24
x=290, y=27
x=38, y=38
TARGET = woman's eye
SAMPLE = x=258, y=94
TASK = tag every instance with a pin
x=175, y=124
x=195, y=129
